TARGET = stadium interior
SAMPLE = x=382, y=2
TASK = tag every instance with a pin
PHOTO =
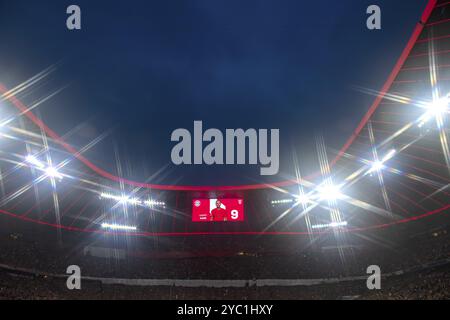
x=383, y=200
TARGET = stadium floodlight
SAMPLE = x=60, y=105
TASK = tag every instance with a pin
x=152, y=203
x=330, y=225
x=109, y=196
x=35, y=162
x=303, y=199
x=133, y=201
x=389, y=155
x=49, y=171
x=53, y=173
x=379, y=165
x=281, y=202
x=114, y=226
x=121, y=199
x=329, y=192
x=435, y=109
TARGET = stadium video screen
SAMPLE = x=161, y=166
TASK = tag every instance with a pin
x=217, y=210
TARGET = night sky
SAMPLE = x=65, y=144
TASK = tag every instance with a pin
x=146, y=68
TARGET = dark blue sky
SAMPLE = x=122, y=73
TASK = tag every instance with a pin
x=147, y=68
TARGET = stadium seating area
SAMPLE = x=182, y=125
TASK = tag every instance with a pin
x=427, y=285
x=425, y=262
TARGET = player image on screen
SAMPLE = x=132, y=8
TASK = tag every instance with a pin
x=219, y=213
x=217, y=210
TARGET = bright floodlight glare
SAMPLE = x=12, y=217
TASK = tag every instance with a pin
x=280, y=202
x=153, y=203
x=329, y=192
x=114, y=226
x=435, y=109
x=49, y=171
x=32, y=160
x=389, y=155
x=330, y=225
x=53, y=173
x=379, y=165
x=121, y=199
x=303, y=199
x=376, y=166
x=133, y=201
x=110, y=196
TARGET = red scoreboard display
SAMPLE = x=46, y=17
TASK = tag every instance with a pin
x=217, y=210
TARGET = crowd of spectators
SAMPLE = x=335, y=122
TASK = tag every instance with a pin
x=257, y=262
x=423, y=285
